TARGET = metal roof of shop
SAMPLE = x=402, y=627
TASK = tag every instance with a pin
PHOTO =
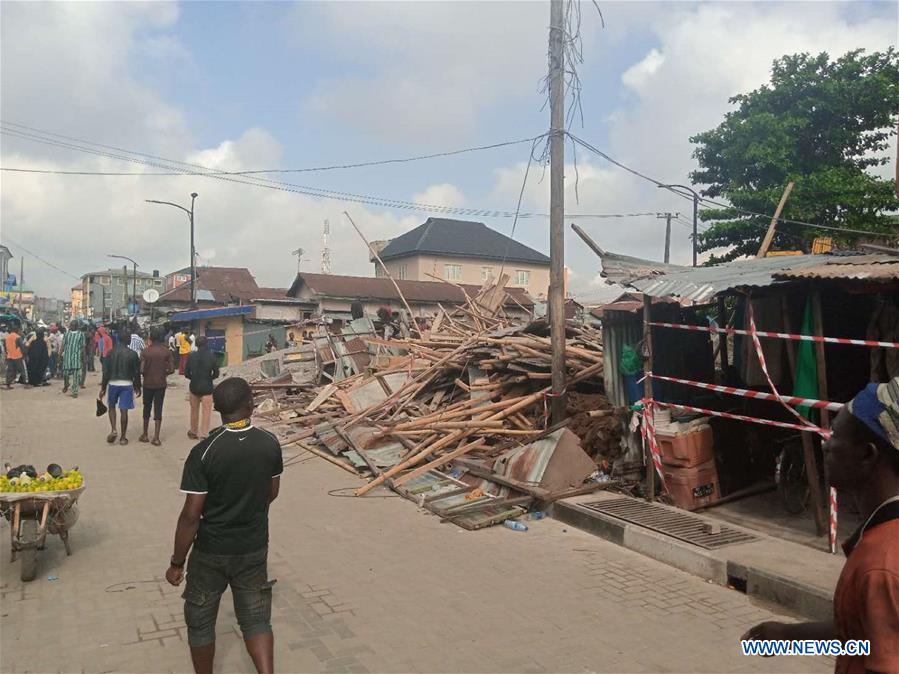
x=218, y=312
x=703, y=283
x=856, y=267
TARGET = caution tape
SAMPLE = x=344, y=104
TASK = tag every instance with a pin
x=741, y=417
x=648, y=432
x=761, y=356
x=777, y=335
x=747, y=393
x=833, y=520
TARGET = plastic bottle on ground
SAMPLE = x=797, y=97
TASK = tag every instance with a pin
x=515, y=525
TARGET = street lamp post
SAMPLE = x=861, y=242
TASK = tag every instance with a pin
x=134, y=278
x=695, y=212
x=193, y=256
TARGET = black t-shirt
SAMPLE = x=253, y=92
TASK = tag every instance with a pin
x=234, y=468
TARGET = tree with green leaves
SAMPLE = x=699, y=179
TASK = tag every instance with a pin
x=822, y=124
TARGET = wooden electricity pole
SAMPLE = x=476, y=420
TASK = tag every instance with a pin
x=557, y=207
x=772, y=228
x=667, y=217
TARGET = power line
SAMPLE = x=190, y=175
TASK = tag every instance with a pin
x=383, y=202
x=333, y=167
x=721, y=205
x=309, y=191
x=39, y=258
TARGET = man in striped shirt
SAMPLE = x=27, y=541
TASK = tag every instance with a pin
x=72, y=359
x=137, y=343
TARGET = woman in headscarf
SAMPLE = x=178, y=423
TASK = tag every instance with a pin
x=38, y=359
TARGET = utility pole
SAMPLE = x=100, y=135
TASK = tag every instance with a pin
x=557, y=206
x=21, y=283
x=695, y=214
x=667, y=217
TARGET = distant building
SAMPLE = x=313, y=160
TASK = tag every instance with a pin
x=105, y=294
x=49, y=310
x=19, y=298
x=215, y=286
x=77, y=301
x=466, y=252
x=5, y=257
x=177, y=278
x=333, y=295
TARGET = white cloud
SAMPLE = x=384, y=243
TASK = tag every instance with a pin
x=443, y=194
x=428, y=69
x=76, y=58
x=640, y=74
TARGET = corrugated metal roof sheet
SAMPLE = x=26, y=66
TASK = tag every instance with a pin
x=703, y=283
x=858, y=267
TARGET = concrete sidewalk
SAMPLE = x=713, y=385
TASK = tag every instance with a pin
x=364, y=584
x=790, y=574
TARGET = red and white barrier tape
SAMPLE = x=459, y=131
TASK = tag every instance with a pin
x=761, y=356
x=739, y=417
x=777, y=335
x=649, y=437
x=833, y=520
x=746, y=393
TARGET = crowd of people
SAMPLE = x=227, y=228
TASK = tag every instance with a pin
x=133, y=363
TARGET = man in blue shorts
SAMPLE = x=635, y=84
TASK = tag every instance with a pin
x=121, y=378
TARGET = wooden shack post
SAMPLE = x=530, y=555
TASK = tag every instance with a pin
x=818, y=320
x=722, y=336
x=647, y=394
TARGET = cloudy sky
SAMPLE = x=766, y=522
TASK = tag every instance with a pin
x=243, y=86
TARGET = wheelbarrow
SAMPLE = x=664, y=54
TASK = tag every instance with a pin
x=32, y=516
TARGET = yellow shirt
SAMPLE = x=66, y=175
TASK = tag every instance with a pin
x=183, y=344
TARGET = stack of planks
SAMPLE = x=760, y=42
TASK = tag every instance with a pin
x=468, y=390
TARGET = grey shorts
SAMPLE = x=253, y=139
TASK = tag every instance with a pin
x=207, y=577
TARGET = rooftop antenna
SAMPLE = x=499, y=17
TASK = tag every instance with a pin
x=326, y=252
x=299, y=253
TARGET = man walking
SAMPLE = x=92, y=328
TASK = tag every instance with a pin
x=55, y=340
x=230, y=480
x=15, y=355
x=73, y=359
x=183, y=350
x=862, y=459
x=201, y=368
x=121, y=376
x=156, y=364
x=137, y=343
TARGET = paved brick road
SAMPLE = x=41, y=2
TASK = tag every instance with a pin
x=364, y=585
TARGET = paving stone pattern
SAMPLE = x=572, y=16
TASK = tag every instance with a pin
x=363, y=585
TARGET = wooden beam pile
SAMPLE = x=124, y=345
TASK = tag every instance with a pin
x=470, y=388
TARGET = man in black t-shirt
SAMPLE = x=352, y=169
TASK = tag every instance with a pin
x=229, y=479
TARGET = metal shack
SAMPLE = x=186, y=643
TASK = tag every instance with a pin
x=743, y=366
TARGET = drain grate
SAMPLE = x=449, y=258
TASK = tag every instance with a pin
x=682, y=526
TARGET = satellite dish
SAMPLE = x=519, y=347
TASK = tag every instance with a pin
x=151, y=295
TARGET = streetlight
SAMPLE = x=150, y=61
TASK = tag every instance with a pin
x=695, y=210
x=193, y=256
x=134, y=279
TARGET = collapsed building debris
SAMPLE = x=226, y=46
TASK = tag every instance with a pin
x=453, y=416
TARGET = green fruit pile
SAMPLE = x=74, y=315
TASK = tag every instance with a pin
x=71, y=479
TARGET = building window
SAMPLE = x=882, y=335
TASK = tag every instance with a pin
x=379, y=271
x=486, y=273
x=158, y=283
x=120, y=281
x=104, y=280
x=401, y=272
x=452, y=272
x=522, y=277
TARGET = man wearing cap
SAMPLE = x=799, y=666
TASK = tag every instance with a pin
x=862, y=458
